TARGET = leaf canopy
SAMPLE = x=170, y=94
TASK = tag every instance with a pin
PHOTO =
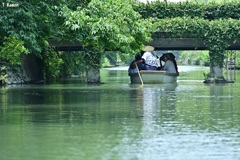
x=109, y=25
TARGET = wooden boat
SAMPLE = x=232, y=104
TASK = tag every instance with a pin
x=153, y=77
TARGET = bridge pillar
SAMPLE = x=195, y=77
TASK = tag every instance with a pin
x=93, y=75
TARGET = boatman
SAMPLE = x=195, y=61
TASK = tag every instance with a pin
x=149, y=58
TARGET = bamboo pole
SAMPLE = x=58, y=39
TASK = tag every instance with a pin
x=139, y=74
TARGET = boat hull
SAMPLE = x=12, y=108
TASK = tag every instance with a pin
x=153, y=77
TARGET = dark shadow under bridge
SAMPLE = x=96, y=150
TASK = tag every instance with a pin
x=157, y=43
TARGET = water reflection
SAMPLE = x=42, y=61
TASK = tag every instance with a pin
x=158, y=98
x=119, y=120
x=223, y=105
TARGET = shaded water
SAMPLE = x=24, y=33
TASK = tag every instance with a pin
x=117, y=120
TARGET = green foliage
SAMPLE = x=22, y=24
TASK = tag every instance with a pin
x=238, y=58
x=20, y=23
x=199, y=57
x=218, y=37
x=3, y=75
x=32, y=23
x=108, y=25
x=106, y=62
x=52, y=64
x=206, y=75
x=127, y=58
x=209, y=11
x=11, y=50
x=217, y=24
x=111, y=57
x=73, y=63
x=216, y=34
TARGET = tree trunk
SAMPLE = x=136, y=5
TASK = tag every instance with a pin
x=216, y=69
x=216, y=75
x=93, y=75
x=216, y=72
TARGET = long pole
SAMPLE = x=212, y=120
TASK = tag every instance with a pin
x=139, y=74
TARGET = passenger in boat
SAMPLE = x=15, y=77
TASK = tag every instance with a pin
x=133, y=68
x=149, y=59
x=170, y=65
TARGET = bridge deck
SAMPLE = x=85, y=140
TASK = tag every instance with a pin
x=157, y=43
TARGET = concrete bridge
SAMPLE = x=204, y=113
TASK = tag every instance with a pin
x=157, y=43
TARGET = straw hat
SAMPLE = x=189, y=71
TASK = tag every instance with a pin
x=148, y=48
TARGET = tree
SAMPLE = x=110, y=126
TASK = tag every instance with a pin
x=26, y=26
x=106, y=25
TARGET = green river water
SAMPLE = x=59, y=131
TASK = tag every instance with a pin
x=117, y=120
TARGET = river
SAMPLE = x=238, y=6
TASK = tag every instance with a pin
x=116, y=120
